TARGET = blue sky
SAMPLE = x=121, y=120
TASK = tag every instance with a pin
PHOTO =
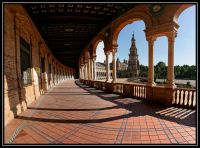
x=184, y=48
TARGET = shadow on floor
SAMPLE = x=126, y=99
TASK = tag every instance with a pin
x=135, y=107
x=142, y=107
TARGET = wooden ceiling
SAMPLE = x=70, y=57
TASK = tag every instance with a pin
x=67, y=28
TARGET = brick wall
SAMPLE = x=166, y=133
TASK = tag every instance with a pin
x=17, y=97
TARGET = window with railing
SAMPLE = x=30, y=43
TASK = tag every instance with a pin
x=25, y=58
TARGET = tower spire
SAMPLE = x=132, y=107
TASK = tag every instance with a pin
x=133, y=38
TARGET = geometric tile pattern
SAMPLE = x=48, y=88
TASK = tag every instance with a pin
x=73, y=113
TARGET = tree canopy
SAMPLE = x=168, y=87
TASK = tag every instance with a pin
x=160, y=71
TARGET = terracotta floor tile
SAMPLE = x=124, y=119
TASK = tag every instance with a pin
x=177, y=135
x=164, y=141
x=74, y=114
x=192, y=142
x=154, y=137
x=162, y=137
x=151, y=133
x=146, y=142
x=145, y=138
x=155, y=141
x=188, y=138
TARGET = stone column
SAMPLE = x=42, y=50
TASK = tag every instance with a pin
x=82, y=72
x=88, y=70
x=114, y=51
x=79, y=72
x=150, y=63
x=58, y=75
x=107, y=66
x=91, y=69
x=170, y=70
x=65, y=74
x=85, y=71
x=94, y=68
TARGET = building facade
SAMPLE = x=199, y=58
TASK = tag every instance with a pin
x=101, y=71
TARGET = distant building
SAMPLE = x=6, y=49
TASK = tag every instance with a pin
x=122, y=68
x=125, y=69
x=101, y=71
x=130, y=68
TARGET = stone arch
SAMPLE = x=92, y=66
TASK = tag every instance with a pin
x=128, y=19
x=96, y=42
x=179, y=11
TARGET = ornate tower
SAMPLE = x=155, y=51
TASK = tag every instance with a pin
x=133, y=63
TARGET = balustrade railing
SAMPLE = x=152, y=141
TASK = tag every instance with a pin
x=118, y=88
x=130, y=90
x=181, y=96
x=184, y=97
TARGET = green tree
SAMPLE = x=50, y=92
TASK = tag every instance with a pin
x=143, y=71
x=160, y=70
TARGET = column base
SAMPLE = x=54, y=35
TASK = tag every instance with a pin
x=113, y=81
x=107, y=80
x=170, y=84
x=151, y=84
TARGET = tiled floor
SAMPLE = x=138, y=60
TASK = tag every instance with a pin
x=72, y=113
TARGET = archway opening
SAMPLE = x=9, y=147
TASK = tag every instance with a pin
x=100, y=61
x=132, y=53
x=185, y=49
x=160, y=60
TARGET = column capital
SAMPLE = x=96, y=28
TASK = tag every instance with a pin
x=86, y=61
x=171, y=35
x=114, y=48
x=94, y=58
x=151, y=39
x=107, y=52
